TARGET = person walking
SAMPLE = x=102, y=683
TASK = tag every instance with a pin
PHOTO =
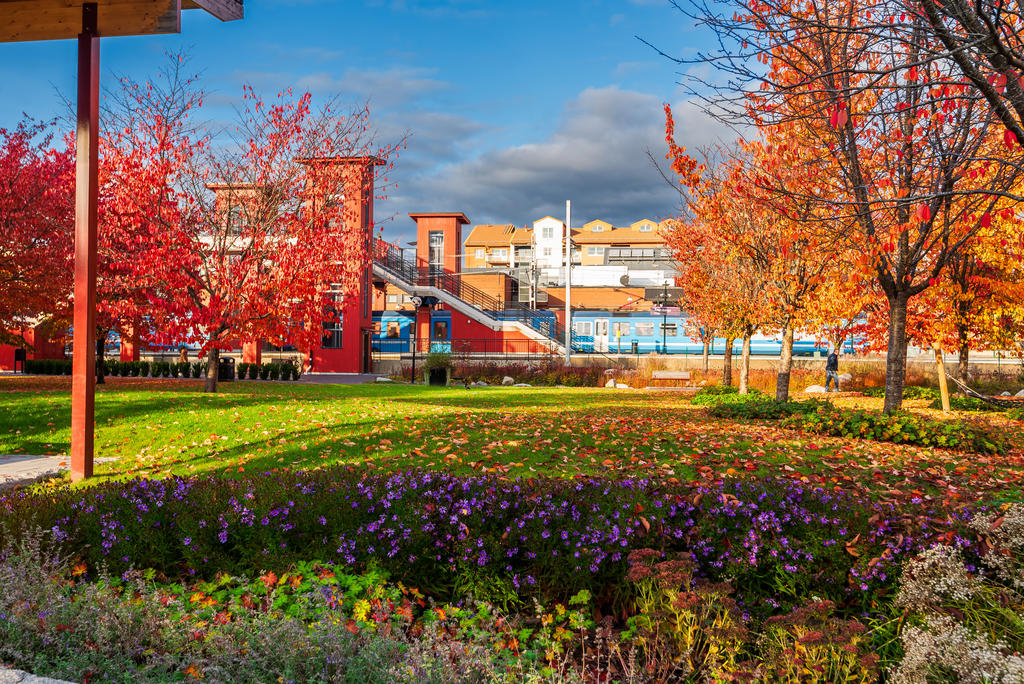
x=832, y=370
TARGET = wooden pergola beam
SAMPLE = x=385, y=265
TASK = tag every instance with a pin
x=30, y=20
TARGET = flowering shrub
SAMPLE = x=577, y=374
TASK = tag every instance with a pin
x=900, y=427
x=1016, y=414
x=778, y=540
x=964, y=622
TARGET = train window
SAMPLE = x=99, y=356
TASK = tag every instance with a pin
x=393, y=330
x=620, y=328
x=669, y=329
x=645, y=329
x=584, y=327
x=440, y=330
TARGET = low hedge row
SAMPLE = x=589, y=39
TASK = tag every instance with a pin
x=965, y=404
x=124, y=369
x=764, y=408
x=899, y=427
x=285, y=370
x=909, y=392
x=777, y=539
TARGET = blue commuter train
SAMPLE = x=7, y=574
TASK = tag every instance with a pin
x=608, y=332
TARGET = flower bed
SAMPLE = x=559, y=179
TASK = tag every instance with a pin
x=501, y=540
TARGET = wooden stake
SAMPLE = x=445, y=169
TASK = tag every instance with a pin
x=941, y=368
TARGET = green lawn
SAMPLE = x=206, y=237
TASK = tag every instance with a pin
x=158, y=428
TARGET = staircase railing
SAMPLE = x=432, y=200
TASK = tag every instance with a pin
x=390, y=257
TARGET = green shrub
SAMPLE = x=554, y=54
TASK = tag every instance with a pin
x=134, y=368
x=965, y=404
x=241, y=369
x=264, y=371
x=198, y=367
x=1016, y=414
x=719, y=395
x=254, y=370
x=275, y=371
x=764, y=408
x=909, y=392
x=899, y=427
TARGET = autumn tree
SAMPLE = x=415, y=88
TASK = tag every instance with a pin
x=244, y=236
x=36, y=220
x=907, y=152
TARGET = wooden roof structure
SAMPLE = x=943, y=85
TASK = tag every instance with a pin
x=30, y=20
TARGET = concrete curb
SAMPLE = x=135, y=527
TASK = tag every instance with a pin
x=18, y=677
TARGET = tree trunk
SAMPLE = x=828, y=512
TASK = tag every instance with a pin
x=745, y=363
x=785, y=365
x=212, y=363
x=707, y=345
x=964, y=364
x=896, y=354
x=727, y=362
x=101, y=342
x=940, y=368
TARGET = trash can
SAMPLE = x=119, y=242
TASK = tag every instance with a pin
x=437, y=376
x=635, y=347
x=226, y=369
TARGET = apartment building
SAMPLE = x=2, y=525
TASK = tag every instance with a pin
x=603, y=255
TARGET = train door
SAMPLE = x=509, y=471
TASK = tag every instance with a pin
x=601, y=335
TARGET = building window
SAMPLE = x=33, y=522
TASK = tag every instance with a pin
x=644, y=228
x=547, y=251
x=597, y=228
x=393, y=299
x=547, y=233
x=236, y=220
x=393, y=330
x=332, y=334
x=668, y=329
x=499, y=254
x=620, y=329
x=645, y=329
x=481, y=254
x=585, y=328
x=595, y=251
x=440, y=330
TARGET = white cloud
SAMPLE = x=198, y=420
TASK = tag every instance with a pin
x=596, y=157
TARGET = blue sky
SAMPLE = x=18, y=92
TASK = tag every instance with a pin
x=511, y=107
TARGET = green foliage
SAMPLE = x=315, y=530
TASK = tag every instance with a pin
x=909, y=392
x=764, y=408
x=965, y=404
x=198, y=369
x=437, y=360
x=899, y=427
x=264, y=371
x=1016, y=414
x=718, y=394
x=242, y=369
x=48, y=366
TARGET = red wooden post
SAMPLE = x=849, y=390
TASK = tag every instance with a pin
x=86, y=196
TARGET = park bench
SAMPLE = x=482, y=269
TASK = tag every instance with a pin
x=679, y=376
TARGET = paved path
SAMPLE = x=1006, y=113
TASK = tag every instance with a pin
x=24, y=468
x=19, y=677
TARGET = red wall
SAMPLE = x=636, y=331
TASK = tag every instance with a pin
x=44, y=349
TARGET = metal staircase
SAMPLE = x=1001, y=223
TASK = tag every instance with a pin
x=390, y=265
